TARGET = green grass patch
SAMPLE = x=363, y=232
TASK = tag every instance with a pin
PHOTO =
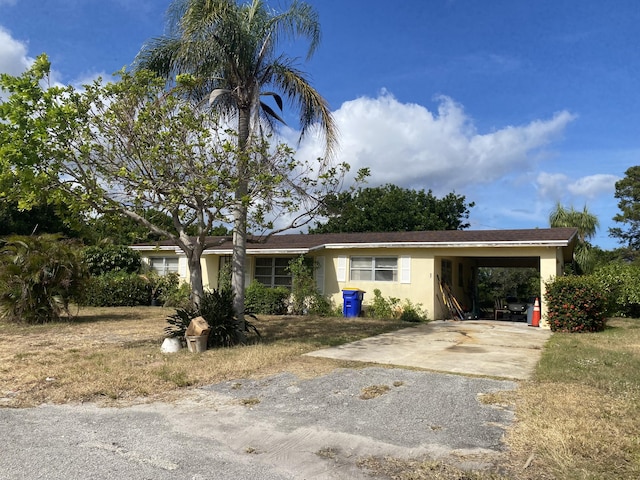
x=580, y=416
x=608, y=360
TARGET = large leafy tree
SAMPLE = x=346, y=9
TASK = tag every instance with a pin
x=587, y=225
x=390, y=208
x=39, y=219
x=116, y=149
x=131, y=147
x=229, y=53
x=628, y=195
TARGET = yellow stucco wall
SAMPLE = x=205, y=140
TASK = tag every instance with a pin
x=425, y=268
x=551, y=265
x=210, y=266
x=420, y=268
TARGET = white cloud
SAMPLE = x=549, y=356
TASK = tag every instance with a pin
x=13, y=54
x=408, y=145
x=552, y=185
x=562, y=188
x=593, y=185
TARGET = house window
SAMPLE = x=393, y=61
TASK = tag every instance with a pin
x=377, y=269
x=447, y=272
x=164, y=265
x=273, y=271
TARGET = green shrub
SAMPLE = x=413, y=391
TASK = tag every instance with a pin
x=266, y=300
x=621, y=284
x=162, y=286
x=322, y=306
x=216, y=308
x=305, y=297
x=178, y=298
x=382, y=307
x=38, y=277
x=117, y=290
x=575, y=304
x=102, y=259
x=412, y=312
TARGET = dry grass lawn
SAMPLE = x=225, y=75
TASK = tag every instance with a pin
x=113, y=354
x=579, y=418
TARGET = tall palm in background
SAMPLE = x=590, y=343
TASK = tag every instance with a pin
x=587, y=225
x=230, y=50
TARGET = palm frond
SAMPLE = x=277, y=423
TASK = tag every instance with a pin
x=270, y=112
x=231, y=47
x=314, y=109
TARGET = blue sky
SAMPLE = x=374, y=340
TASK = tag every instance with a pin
x=516, y=104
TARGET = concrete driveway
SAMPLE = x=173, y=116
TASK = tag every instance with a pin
x=474, y=347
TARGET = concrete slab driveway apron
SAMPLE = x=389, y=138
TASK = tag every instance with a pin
x=473, y=347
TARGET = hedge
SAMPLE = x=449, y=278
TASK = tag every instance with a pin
x=266, y=300
x=117, y=290
x=104, y=259
x=575, y=304
x=621, y=283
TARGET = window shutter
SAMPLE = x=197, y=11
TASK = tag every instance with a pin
x=183, y=267
x=405, y=269
x=341, y=274
x=318, y=273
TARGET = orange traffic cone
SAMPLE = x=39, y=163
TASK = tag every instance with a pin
x=535, y=318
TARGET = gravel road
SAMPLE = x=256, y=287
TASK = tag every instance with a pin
x=280, y=427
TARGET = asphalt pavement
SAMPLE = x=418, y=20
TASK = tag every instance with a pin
x=280, y=427
x=285, y=427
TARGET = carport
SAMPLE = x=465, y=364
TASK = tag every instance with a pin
x=457, y=264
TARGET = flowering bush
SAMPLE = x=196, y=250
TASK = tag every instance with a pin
x=575, y=304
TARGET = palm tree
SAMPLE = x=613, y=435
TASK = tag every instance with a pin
x=587, y=225
x=229, y=50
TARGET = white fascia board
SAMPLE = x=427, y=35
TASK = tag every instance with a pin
x=279, y=251
x=217, y=251
x=533, y=243
x=258, y=251
x=153, y=248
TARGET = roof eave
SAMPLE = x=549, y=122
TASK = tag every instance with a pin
x=258, y=251
x=505, y=244
x=157, y=248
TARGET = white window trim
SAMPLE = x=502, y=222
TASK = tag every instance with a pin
x=374, y=269
x=273, y=275
x=165, y=268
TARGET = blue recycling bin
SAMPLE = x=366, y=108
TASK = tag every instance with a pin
x=352, y=302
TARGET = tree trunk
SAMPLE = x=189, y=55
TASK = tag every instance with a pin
x=238, y=259
x=195, y=277
x=194, y=255
x=240, y=217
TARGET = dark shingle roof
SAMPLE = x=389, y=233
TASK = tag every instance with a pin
x=540, y=236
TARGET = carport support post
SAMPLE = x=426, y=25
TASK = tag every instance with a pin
x=551, y=266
